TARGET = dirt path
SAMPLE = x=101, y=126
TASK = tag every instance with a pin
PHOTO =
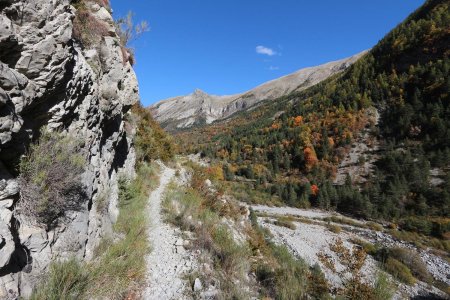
x=168, y=261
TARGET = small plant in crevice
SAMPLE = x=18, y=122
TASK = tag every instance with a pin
x=102, y=202
x=50, y=179
x=87, y=28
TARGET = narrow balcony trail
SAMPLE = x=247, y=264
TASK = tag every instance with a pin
x=168, y=262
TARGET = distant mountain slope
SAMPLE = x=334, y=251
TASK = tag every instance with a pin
x=291, y=147
x=200, y=108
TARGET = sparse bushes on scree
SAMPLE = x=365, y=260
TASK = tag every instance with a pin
x=50, y=178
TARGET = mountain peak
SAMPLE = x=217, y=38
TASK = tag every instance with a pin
x=198, y=104
x=199, y=92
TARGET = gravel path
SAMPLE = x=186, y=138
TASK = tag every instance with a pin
x=168, y=261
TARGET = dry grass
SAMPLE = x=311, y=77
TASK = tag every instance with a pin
x=421, y=241
x=399, y=271
x=334, y=228
x=86, y=27
x=375, y=226
x=413, y=261
x=368, y=247
x=345, y=221
x=285, y=221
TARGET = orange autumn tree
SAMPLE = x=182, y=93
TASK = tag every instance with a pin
x=298, y=120
x=314, y=190
x=310, y=157
x=215, y=172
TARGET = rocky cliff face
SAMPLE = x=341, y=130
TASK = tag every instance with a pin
x=48, y=79
x=199, y=107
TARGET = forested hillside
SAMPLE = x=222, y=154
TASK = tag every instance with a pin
x=289, y=150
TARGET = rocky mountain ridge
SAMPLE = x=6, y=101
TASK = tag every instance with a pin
x=48, y=79
x=200, y=107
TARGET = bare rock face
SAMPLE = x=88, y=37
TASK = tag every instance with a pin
x=47, y=79
x=200, y=107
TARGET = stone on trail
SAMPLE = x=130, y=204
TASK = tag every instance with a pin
x=197, y=285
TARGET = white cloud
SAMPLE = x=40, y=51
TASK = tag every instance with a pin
x=265, y=51
x=274, y=68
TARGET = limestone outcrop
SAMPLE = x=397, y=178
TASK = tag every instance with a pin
x=48, y=79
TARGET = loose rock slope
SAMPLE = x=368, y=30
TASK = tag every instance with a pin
x=311, y=237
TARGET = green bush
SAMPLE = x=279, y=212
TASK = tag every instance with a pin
x=368, y=247
x=384, y=289
x=50, y=178
x=413, y=261
x=291, y=278
x=151, y=141
x=399, y=270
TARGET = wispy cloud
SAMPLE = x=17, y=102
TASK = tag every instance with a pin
x=265, y=51
x=274, y=68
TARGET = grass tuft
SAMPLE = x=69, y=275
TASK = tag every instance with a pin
x=399, y=270
x=285, y=221
x=65, y=280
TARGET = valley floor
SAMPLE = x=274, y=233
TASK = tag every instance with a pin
x=310, y=233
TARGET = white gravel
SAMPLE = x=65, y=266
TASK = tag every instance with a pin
x=285, y=210
x=308, y=240
x=168, y=262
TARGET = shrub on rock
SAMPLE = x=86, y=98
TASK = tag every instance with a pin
x=50, y=178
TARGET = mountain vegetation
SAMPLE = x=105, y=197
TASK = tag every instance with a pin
x=289, y=150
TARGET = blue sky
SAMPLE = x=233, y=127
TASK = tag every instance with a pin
x=228, y=47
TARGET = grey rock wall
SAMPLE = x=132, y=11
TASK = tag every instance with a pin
x=47, y=79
